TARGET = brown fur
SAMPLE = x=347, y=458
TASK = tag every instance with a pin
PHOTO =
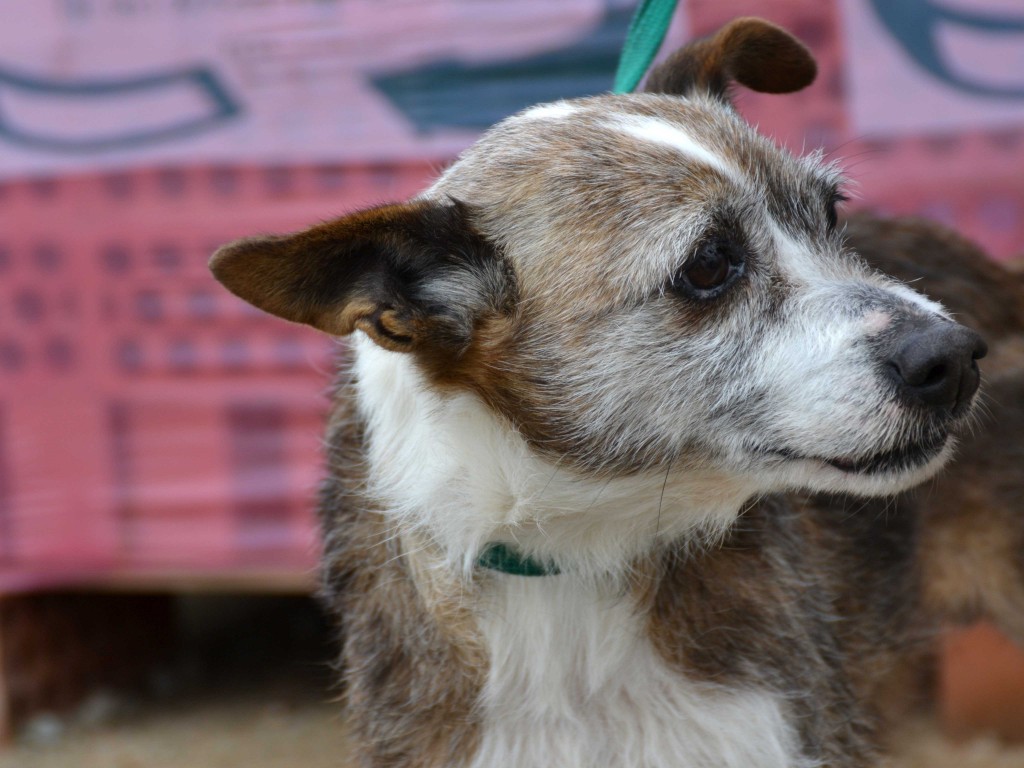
x=367, y=272
x=757, y=612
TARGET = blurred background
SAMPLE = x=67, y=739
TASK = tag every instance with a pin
x=160, y=442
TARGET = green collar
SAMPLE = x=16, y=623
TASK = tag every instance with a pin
x=503, y=558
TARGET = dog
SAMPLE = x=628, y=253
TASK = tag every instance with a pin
x=614, y=468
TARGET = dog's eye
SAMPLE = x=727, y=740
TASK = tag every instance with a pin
x=831, y=215
x=714, y=265
x=709, y=269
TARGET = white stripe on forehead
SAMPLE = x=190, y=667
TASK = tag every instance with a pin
x=660, y=132
x=553, y=111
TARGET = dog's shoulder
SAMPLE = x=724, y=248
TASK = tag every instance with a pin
x=412, y=666
x=813, y=597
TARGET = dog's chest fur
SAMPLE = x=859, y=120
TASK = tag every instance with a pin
x=575, y=680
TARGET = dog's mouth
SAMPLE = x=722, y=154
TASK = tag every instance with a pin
x=902, y=459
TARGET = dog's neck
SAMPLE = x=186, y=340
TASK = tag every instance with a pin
x=448, y=468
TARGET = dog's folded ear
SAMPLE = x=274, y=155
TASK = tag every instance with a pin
x=411, y=275
x=750, y=51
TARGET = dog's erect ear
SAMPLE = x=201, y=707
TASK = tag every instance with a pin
x=411, y=276
x=750, y=51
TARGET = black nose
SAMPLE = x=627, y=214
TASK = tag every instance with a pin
x=934, y=363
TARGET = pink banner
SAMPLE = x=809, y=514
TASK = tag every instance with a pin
x=151, y=425
x=154, y=429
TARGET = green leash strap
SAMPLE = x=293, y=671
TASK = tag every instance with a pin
x=501, y=557
x=644, y=38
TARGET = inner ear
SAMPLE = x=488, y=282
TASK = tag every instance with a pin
x=409, y=275
x=750, y=51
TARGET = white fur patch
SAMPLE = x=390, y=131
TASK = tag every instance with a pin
x=556, y=110
x=450, y=468
x=575, y=683
x=660, y=132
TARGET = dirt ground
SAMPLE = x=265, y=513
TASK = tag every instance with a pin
x=257, y=730
x=245, y=696
x=268, y=730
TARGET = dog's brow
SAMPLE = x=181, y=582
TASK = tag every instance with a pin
x=659, y=132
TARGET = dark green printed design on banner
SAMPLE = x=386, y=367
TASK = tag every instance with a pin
x=916, y=25
x=218, y=106
x=452, y=95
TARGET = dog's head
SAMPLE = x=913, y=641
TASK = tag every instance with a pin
x=636, y=282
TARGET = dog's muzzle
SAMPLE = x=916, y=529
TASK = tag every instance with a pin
x=933, y=363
